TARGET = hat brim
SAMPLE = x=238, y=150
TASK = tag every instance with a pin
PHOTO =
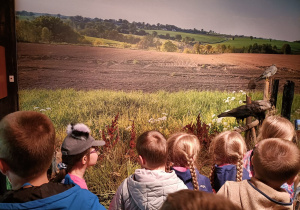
x=98, y=143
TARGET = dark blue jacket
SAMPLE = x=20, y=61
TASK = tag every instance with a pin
x=186, y=177
x=72, y=198
x=226, y=173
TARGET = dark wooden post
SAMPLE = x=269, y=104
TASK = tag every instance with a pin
x=287, y=99
x=250, y=134
x=9, y=101
x=274, y=92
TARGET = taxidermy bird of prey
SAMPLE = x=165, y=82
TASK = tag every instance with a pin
x=256, y=109
x=268, y=73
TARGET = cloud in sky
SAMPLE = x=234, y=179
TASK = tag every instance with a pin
x=274, y=19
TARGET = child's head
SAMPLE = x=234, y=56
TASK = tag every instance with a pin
x=190, y=200
x=151, y=146
x=277, y=127
x=79, y=147
x=183, y=149
x=276, y=161
x=228, y=147
x=27, y=140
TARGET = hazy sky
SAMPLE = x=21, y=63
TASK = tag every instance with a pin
x=276, y=19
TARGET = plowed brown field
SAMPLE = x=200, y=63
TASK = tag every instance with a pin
x=86, y=68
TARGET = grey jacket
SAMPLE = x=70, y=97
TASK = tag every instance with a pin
x=146, y=189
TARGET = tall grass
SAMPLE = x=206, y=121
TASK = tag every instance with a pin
x=162, y=111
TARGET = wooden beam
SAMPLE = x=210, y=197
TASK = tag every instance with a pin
x=287, y=99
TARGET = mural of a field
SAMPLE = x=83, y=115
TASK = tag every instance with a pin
x=122, y=78
x=89, y=68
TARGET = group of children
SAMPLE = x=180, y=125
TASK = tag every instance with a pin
x=263, y=178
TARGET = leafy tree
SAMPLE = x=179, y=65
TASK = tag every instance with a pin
x=196, y=48
x=169, y=46
x=255, y=48
x=208, y=48
x=178, y=37
x=223, y=47
x=46, y=35
x=60, y=31
x=146, y=42
x=168, y=36
x=251, y=37
x=27, y=32
x=286, y=49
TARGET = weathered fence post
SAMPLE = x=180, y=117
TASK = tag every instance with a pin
x=250, y=134
x=274, y=93
x=266, y=90
x=287, y=99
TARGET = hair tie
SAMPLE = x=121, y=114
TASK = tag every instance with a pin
x=62, y=166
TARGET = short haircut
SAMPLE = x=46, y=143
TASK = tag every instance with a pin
x=191, y=199
x=152, y=146
x=276, y=160
x=27, y=141
x=276, y=126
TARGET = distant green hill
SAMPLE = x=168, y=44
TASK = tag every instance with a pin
x=198, y=37
x=240, y=42
x=236, y=42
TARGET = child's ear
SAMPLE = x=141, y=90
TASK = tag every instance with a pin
x=291, y=180
x=84, y=160
x=3, y=167
x=141, y=161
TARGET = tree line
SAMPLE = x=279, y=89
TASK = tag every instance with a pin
x=47, y=28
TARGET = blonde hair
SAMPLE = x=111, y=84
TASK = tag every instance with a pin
x=228, y=147
x=183, y=150
x=197, y=200
x=276, y=159
x=277, y=127
x=152, y=146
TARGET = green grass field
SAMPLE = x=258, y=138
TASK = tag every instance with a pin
x=240, y=42
x=198, y=37
x=98, y=107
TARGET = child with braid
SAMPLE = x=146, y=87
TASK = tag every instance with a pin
x=227, y=150
x=273, y=127
x=275, y=161
x=183, y=150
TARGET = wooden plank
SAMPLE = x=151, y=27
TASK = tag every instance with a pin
x=3, y=78
x=287, y=99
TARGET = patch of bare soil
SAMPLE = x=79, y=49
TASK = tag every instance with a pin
x=87, y=68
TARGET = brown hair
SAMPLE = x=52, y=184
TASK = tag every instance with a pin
x=228, y=147
x=152, y=146
x=27, y=141
x=183, y=149
x=277, y=127
x=276, y=160
x=70, y=161
x=190, y=200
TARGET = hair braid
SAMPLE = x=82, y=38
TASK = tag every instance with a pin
x=193, y=173
x=168, y=166
x=239, y=169
x=212, y=175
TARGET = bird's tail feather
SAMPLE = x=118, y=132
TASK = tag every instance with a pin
x=225, y=114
